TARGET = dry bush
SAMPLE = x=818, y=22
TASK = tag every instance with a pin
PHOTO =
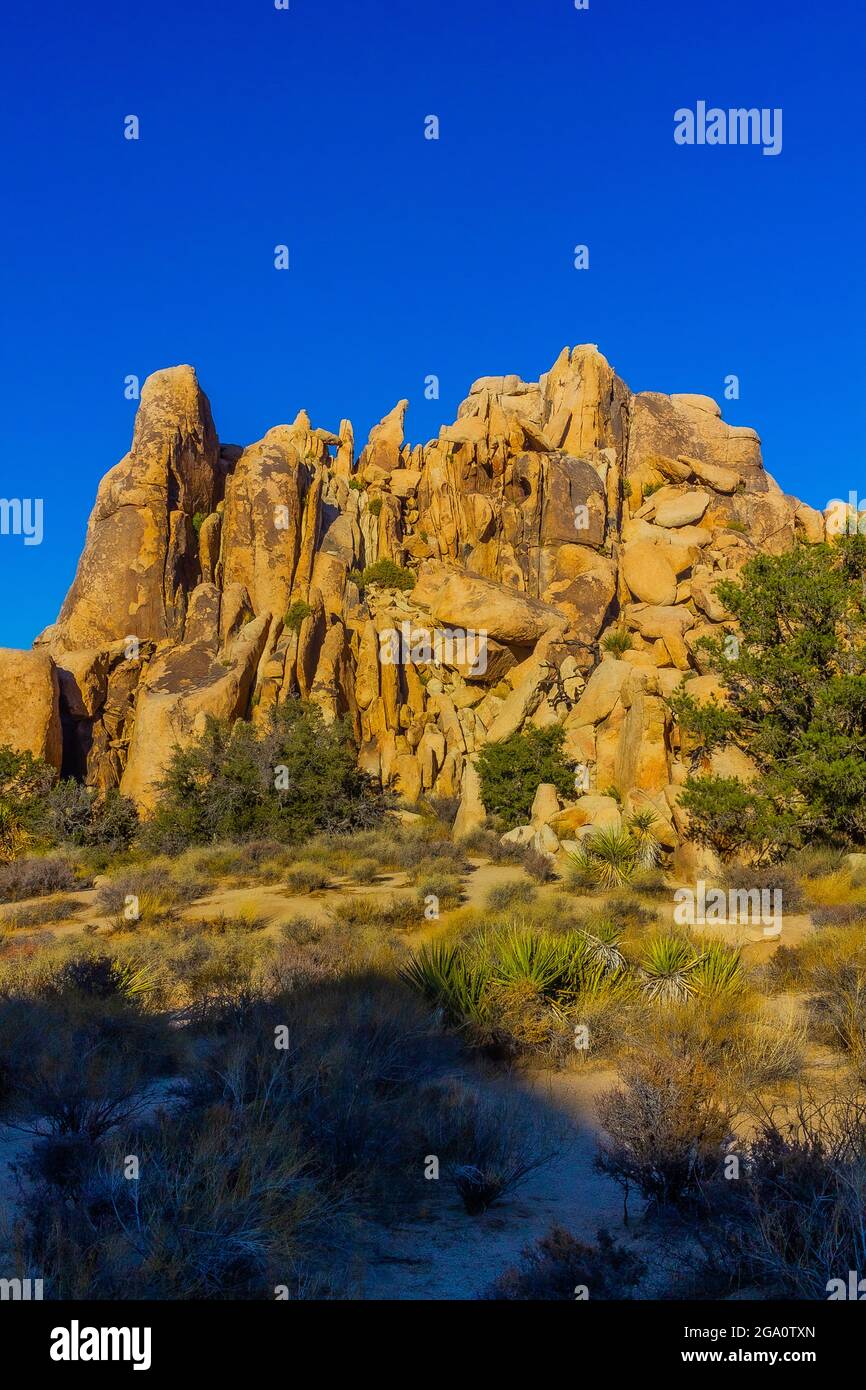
x=803, y=1199
x=157, y=890
x=668, y=1129
x=307, y=878
x=504, y=897
x=559, y=1264
x=37, y=877
x=39, y=914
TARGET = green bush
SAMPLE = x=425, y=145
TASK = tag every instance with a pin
x=512, y=771
x=616, y=641
x=298, y=611
x=384, y=573
x=796, y=704
x=288, y=779
x=25, y=782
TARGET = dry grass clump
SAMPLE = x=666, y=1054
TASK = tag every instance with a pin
x=307, y=877
x=148, y=895
x=505, y=897
x=37, y=876
x=668, y=1129
x=39, y=914
x=398, y=912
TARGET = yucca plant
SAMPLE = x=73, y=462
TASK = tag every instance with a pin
x=442, y=974
x=603, y=945
x=608, y=857
x=641, y=827
x=718, y=970
x=668, y=970
x=534, y=957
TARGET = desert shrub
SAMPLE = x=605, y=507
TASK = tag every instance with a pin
x=503, y=897
x=489, y=1146
x=398, y=912
x=605, y=859
x=558, y=1264
x=445, y=808
x=512, y=771
x=39, y=914
x=447, y=888
x=146, y=895
x=384, y=573
x=515, y=987
x=838, y=915
x=297, y=612
x=36, y=877
x=616, y=641
x=78, y=815
x=431, y=857
x=838, y=1007
x=667, y=1130
x=307, y=878
x=84, y=1054
x=24, y=784
x=652, y=882
x=768, y=1052
x=781, y=878
x=365, y=870
x=801, y=1227
x=289, y=779
x=224, y=923
x=794, y=703
x=242, y=1172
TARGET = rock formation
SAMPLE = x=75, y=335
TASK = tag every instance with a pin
x=219, y=580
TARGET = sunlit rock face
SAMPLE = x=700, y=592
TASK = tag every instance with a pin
x=220, y=579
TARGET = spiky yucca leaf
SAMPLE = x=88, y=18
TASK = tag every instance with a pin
x=444, y=976
x=719, y=970
x=609, y=856
x=668, y=969
x=642, y=829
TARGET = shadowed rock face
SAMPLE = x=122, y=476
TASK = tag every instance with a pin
x=547, y=512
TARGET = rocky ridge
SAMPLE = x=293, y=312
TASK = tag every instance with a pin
x=219, y=580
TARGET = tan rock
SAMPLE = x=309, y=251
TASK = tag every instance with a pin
x=600, y=812
x=545, y=805
x=684, y=510
x=649, y=573
x=140, y=554
x=471, y=813
x=30, y=705
x=181, y=687
x=601, y=693
x=468, y=601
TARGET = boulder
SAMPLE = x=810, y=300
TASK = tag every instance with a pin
x=464, y=600
x=545, y=805
x=649, y=573
x=30, y=705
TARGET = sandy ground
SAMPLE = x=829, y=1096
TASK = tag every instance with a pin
x=451, y=1255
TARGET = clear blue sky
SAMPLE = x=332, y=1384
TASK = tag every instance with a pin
x=410, y=256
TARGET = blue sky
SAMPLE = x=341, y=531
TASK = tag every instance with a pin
x=409, y=256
